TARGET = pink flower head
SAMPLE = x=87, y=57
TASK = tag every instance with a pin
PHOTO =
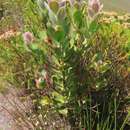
x=94, y=7
x=28, y=37
x=62, y=3
x=49, y=1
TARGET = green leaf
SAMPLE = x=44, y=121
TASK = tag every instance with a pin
x=45, y=101
x=66, y=26
x=34, y=46
x=129, y=57
x=54, y=6
x=97, y=57
x=63, y=112
x=42, y=35
x=93, y=27
x=127, y=47
x=42, y=84
x=58, y=97
x=105, y=67
x=78, y=18
x=57, y=33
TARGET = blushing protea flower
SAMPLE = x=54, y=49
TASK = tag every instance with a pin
x=63, y=2
x=56, y=8
x=56, y=4
x=94, y=7
x=28, y=37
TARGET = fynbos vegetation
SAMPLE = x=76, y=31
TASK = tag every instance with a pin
x=74, y=61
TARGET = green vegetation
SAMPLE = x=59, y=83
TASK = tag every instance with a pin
x=74, y=60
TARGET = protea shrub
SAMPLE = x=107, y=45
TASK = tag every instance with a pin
x=79, y=64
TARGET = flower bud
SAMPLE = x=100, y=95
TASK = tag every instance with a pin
x=64, y=2
x=94, y=7
x=28, y=37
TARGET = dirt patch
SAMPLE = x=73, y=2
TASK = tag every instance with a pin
x=11, y=106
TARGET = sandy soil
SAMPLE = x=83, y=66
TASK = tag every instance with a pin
x=8, y=109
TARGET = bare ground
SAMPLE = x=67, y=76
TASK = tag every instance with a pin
x=10, y=103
